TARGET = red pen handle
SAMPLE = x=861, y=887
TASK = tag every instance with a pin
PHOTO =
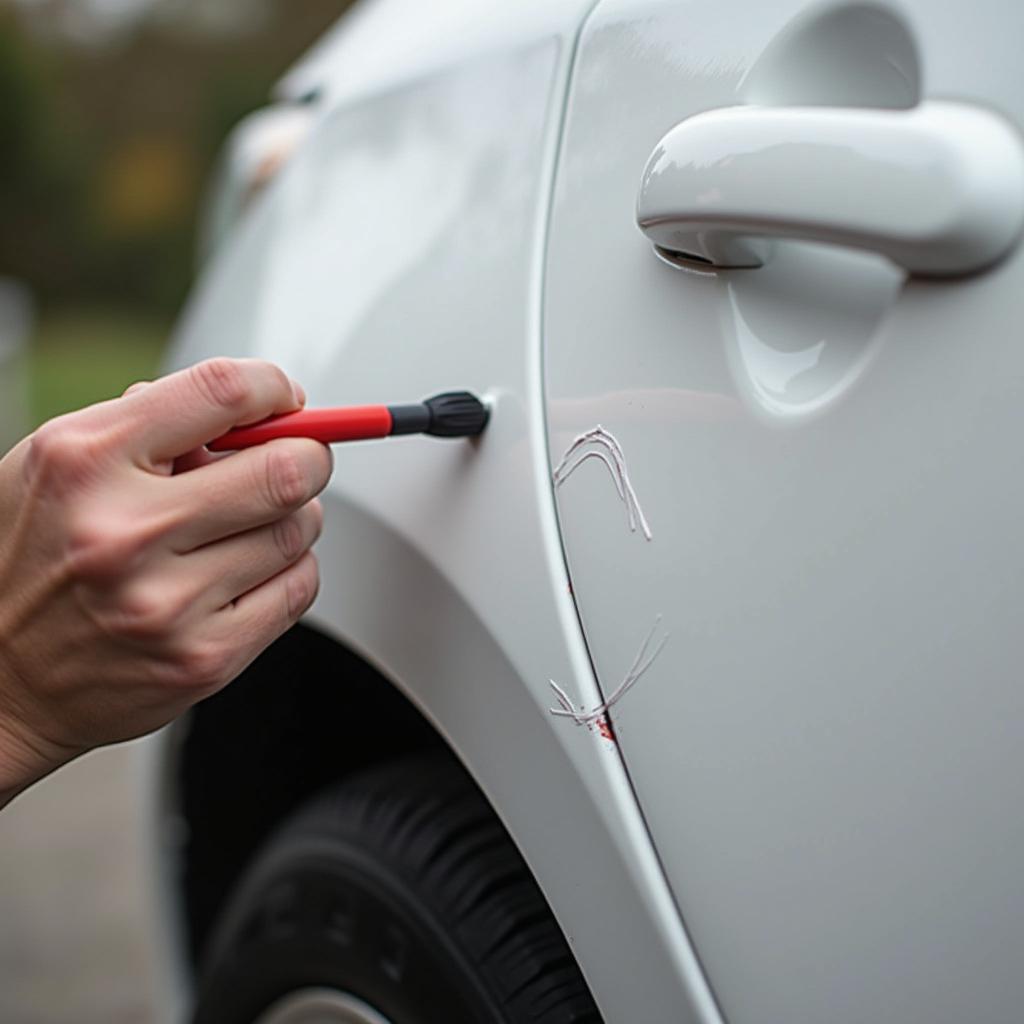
x=354, y=423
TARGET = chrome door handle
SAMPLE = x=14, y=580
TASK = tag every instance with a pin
x=939, y=189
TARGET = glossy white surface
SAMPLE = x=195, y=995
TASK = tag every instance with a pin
x=399, y=255
x=938, y=189
x=381, y=44
x=828, y=750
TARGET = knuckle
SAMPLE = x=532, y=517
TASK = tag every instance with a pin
x=289, y=537
x=147, y=611
x=285, y=482
x=99, y=546
x=316, y=514
x=59, y=452
x=282, y=382
x=220, y=381
x=203, y=666
x=49, y=444
x=302, y=588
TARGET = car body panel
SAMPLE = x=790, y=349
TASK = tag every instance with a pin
x=382, y=45
x=399, y=254
x=827, y=750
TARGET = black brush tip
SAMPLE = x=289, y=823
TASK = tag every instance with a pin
x=456, y=414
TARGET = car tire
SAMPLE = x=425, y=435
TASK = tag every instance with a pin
x=396, y=897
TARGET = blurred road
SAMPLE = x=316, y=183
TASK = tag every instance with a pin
x=74, y=941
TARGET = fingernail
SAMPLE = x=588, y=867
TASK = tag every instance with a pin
x=299, y=392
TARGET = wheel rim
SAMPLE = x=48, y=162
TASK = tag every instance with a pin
x=320, y=1006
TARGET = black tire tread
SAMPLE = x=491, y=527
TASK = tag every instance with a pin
x=426, y=821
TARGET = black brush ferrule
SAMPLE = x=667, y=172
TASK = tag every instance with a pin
x=456, y=414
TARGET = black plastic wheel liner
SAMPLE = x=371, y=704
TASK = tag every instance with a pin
x=305, y=713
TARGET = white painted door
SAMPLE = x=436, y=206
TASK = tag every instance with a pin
x=829, y=747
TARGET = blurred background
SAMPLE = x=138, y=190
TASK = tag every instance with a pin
x=112, y=113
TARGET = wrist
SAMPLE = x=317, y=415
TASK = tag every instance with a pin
x=20, y=765
x=24, y=757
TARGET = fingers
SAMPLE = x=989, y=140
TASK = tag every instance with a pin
x=254, y=621
x=184, y=410
x=198, y=456
x=245, y=490
x=227, y=569
x=194, y=459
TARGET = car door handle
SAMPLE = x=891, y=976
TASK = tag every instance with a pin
x=939, y=189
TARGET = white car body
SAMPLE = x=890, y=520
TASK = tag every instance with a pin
x=805, y=809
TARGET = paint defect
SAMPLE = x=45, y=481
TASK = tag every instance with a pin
x=598, y=443
x=593, y=718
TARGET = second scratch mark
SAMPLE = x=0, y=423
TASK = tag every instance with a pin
x=601, y=444
x=597, y=716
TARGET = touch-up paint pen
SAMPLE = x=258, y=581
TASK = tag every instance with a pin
x=452, y=414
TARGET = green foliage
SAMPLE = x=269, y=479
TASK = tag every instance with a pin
x=73, y=120
x=85, y=356
x=21, y=95
x=40, y=188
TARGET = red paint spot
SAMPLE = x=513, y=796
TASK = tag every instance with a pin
x=604, y=727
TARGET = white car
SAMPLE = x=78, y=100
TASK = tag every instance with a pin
x=691, y=690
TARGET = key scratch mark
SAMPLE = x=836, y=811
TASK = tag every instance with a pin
x=598, y=443
x=596, y=716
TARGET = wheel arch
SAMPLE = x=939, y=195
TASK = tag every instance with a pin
x=307, y=713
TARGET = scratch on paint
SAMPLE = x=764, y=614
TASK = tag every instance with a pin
x=597, y=717
x=598, y=443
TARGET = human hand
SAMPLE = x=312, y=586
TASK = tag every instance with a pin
x=140, y=574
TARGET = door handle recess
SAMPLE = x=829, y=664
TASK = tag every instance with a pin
x=938, y=189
